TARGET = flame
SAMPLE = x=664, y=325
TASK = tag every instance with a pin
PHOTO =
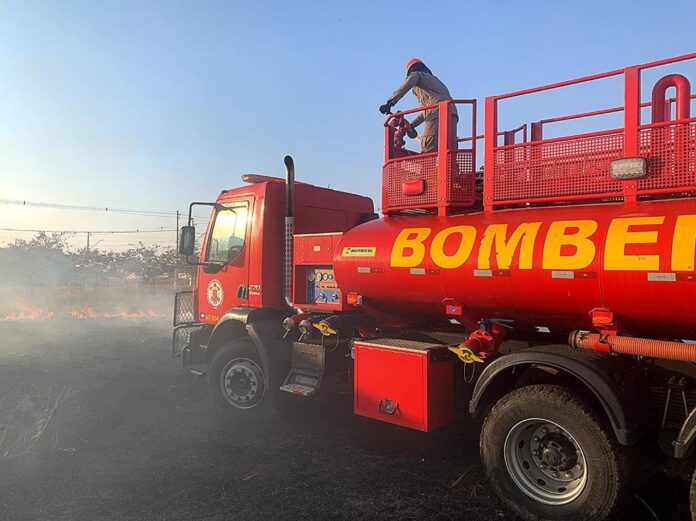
x=28, y=312
x=85, y=312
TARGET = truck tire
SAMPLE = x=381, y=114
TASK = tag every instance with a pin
x=238, y=382
x=692, y=497
x=549, y=456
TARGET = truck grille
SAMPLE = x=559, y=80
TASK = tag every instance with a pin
x=183, y=308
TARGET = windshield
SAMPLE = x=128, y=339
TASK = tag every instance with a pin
x=229, y=229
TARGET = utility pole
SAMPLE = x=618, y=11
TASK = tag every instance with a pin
x=87, y=241
x=177, y=230
x=176, y=257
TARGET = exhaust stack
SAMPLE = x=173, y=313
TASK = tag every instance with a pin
x=289, y=226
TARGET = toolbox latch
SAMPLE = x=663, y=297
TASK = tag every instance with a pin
x=388, y=407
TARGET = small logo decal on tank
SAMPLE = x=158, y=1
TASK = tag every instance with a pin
x=215, y=293
x=359, y=251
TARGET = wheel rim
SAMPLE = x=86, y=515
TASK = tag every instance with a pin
x=242, y=383
x=545, y=461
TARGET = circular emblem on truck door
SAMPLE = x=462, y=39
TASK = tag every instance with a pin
x=215, y=293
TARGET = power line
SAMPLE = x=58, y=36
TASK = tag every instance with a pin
x=158, y=230
x=127, y=211
x=144, y=243
x=60, y=206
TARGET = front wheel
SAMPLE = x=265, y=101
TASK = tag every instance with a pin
x=549, y=456
x=238, y=383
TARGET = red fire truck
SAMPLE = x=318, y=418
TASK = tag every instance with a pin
x=553, y=293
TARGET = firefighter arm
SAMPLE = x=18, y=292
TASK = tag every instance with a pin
x=410, y=82
x=420, y=118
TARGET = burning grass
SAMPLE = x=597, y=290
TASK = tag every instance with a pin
x=26, y=311
x=84, y=303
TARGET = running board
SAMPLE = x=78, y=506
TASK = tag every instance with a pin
x=306, y=369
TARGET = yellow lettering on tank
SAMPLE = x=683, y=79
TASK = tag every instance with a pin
x=459, y=257
x=619, y=235
x=684, y=243
x=557, y=238
x=496, y=234
x=409, y=239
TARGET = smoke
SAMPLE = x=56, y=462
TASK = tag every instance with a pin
x=51, y=300
x=46, y=286
x=50, y=304
x=43, y=280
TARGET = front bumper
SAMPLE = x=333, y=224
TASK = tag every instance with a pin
x=190, y=343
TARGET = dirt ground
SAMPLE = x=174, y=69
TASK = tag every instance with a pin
x=97, y=422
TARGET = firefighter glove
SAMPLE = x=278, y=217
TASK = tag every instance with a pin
x=386, y=108
x=412, y=133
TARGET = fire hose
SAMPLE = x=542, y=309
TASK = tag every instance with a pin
x=627, y=345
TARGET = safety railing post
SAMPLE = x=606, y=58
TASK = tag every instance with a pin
x=489, y=143
x=442, y=156
x=631, y=126
x=388, y=142
x=474, y=146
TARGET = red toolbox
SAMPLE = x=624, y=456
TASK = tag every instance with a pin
x=404, y=382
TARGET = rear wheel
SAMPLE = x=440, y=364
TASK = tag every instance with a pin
x=238, y=383
x=692, y=497
x=549, y=456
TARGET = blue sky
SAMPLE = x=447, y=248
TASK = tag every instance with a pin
x=153, y=104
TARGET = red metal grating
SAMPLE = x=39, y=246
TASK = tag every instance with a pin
x=461, y=181
x=569, y=167
x=671, y=155
x=410, y=168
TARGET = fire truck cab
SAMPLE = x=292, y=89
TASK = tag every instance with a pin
x=553, y=292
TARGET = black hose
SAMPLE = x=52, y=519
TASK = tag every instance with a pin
x=289, y=227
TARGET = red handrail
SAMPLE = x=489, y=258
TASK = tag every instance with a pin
x=445, y=163
x=631, y=109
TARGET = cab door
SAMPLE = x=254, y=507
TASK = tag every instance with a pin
x=223, y=278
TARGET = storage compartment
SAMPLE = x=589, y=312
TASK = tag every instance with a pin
x=404, y=382
x=314, y=286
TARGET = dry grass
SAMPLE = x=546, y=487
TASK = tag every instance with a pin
x=25, y=427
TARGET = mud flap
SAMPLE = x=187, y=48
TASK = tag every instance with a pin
x=274, y=351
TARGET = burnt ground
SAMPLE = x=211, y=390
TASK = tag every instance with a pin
x=98, y=423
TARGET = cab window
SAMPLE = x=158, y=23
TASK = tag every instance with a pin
x=229, y=230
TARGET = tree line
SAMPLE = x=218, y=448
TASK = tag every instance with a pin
x=47, y=259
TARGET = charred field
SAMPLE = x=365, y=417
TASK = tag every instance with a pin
x=97, y=422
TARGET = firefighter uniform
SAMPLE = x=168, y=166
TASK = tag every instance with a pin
x=429, y=90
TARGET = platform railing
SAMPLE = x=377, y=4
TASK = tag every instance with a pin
x=577, y=167
x=434, y=181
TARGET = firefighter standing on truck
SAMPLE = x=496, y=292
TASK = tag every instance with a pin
x=429, y=90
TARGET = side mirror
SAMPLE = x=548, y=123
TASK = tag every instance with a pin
x=187, y=240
